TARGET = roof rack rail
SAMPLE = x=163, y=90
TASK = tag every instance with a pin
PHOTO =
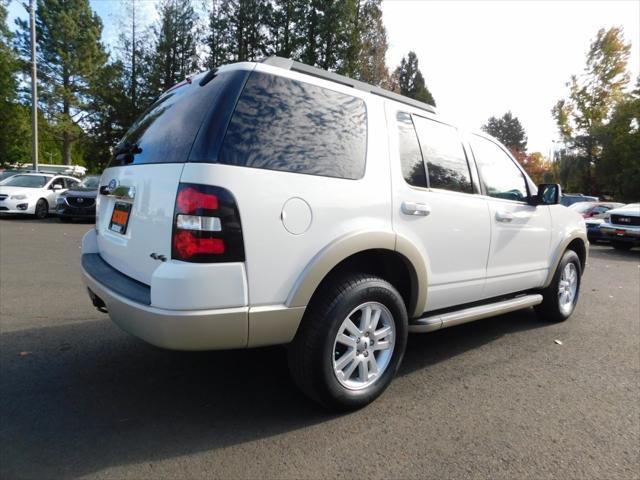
x=288, y=64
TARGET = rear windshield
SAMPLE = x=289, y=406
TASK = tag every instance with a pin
x=166, y=131
x=292, y=126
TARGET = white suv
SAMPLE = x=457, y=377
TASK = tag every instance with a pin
x=275, y=203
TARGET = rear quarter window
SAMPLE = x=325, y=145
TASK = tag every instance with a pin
x=287, y=125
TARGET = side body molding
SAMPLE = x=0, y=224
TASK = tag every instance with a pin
x=340, y=249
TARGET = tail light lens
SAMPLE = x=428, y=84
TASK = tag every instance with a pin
x=206, y=225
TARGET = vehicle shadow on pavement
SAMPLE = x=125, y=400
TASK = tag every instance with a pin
x=83, y=397
x=606, y=252
x=428, y=349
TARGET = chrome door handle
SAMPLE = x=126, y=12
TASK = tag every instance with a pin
x=502, y=216
x=413, y=208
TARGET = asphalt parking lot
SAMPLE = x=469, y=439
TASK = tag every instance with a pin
x=494, y=399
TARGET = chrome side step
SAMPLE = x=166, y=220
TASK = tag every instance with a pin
x=444, y=320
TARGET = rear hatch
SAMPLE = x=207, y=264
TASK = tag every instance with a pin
x=136, y=200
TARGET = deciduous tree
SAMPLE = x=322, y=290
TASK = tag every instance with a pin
x=534, y=164
x=591, y=100
x=618, y=168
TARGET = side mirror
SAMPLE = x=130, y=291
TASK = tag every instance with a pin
x=56, y=187
x=548, y=194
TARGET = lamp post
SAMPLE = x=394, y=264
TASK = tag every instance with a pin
x=34, y=87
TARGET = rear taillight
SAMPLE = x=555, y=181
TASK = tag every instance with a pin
x=206, y=225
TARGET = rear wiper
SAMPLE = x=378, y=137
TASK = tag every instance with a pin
x=127, y=148
x=124, y=152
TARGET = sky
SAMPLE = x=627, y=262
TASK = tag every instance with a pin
x=482, y=58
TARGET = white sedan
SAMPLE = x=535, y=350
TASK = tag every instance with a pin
x=33, y=193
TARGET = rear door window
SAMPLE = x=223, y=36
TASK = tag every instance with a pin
x=287, y=125
x=447, y=165
x=410, y=155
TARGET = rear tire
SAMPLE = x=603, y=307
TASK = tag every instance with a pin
x=622, y=246
x=350, y=342
x=561, y=296
x=42, y=209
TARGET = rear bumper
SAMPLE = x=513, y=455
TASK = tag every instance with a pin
x=172, y=329
x=131, y=306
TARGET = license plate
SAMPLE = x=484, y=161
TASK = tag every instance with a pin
x=120, y=217
x=620, y=233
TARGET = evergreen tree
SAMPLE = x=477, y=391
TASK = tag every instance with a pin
x=8, y=61
x=70, y=56
x=111, y=104
x=237, y=31
x=217, y=39
x=364, y=58
x=172, y=56
x=324, y=32
x=346, y=36
x=508, y=130
x=372, y=67
x=409, y=81
x=285, y=22
x=131, y=52
x=15, y=133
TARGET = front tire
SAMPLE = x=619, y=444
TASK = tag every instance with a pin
x=42, y=209
x=350, y=342
x=561, y=296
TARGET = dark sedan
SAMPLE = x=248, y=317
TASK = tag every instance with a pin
x=79, y=202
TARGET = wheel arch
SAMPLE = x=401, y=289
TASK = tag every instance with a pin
x=46, y=202
x=384, y=253
x=576, y=241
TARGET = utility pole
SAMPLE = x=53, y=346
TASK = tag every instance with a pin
x=34, y=87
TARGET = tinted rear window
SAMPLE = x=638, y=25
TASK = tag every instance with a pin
x=410, y=155
x=167, y=130
x=283, y=124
